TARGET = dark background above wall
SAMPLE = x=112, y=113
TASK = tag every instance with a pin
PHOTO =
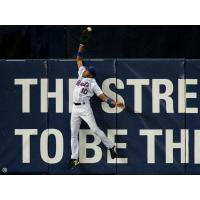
x=107, y=41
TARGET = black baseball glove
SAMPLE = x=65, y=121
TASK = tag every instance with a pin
x=85, y=36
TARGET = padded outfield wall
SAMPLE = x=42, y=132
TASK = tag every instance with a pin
x=157, y=133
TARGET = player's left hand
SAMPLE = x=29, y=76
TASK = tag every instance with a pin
x=120, y=104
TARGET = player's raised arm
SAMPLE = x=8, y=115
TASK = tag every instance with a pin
x=84, y=38
x=79, y=57
x=110, y=101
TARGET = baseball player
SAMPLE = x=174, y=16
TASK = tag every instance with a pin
x=86, y=87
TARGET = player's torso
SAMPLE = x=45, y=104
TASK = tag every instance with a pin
x=83, y=90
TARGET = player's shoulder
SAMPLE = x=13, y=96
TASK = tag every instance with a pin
x=93, y=80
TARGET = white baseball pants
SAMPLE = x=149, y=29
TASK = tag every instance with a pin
x=84, y=112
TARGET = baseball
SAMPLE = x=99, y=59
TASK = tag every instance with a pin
x=89, y=29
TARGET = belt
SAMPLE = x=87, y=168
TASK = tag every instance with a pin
x=78, y=104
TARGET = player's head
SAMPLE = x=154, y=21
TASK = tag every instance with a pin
x=90, y=72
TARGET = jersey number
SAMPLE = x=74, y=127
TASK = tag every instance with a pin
x=84, y=91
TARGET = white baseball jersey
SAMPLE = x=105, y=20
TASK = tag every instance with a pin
x=85, y=88
x=83, y=91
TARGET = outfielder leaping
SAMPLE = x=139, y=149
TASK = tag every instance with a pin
x=85, y=88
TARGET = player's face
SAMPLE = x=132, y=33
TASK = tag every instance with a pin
x=87, y=74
